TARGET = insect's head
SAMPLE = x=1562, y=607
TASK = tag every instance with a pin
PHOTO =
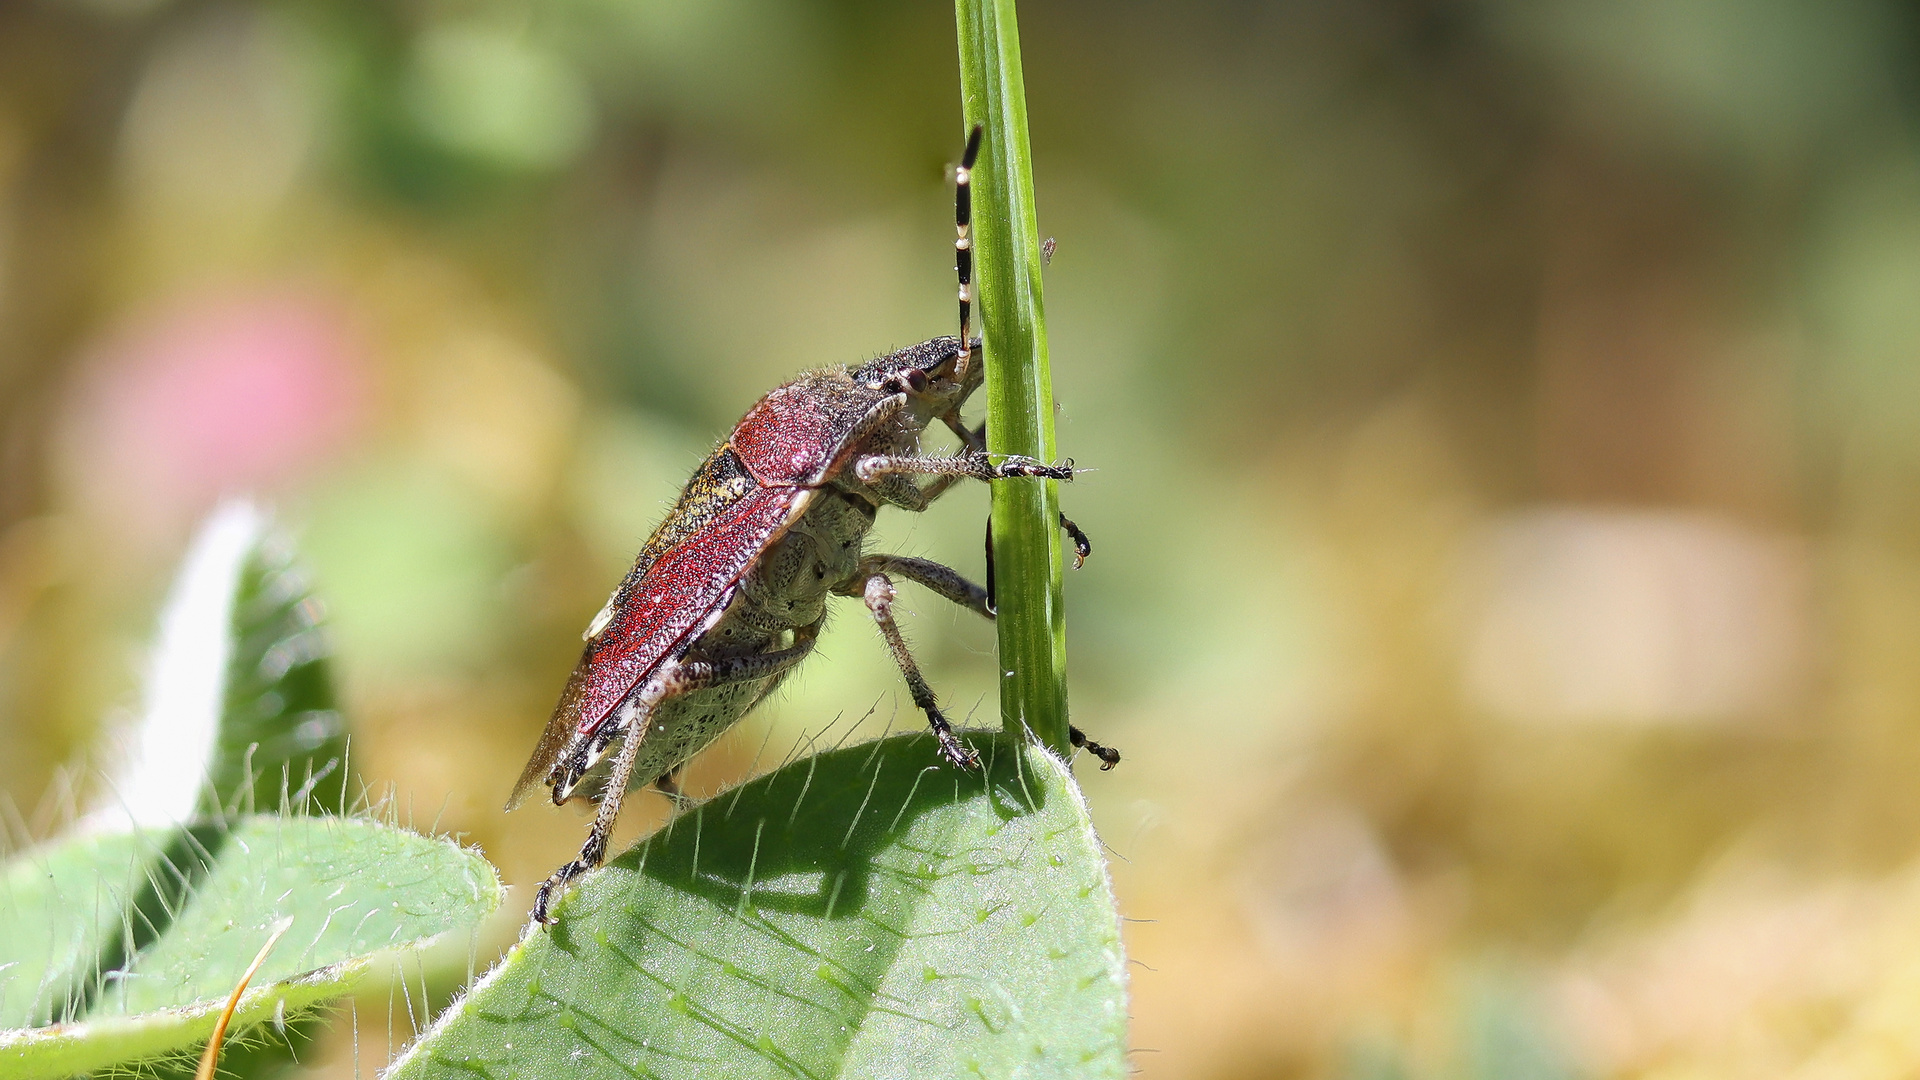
x=928, y=373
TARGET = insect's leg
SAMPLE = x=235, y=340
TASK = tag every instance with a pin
x=677, y=678
x=1109, y=757
x=669, y=785
x=972, y=440
x=977, y=464
x=890, y=476
x=948, y=583
x=1082, y=547
x=974, y=445
x=930, y=492
x=943, y=580
x=594, y=851
x=693, y=675
x=702, y=674
x=895, y=489
x=992, y=604
x=880, y=594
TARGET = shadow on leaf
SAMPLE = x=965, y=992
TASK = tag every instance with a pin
x=805, y=839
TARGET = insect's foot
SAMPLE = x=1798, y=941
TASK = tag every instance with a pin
x=1109, y=757
x=957, y=753
x=1019, y=465
x=552, y=888
x=1082, y=547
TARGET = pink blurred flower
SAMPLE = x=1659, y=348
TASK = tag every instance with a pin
x=215, y=396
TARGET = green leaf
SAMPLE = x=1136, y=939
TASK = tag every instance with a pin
x=63, y=906
x=124, y=941
x=239, y=708
x=282, y=741
x=143, y=935
x=865, y=912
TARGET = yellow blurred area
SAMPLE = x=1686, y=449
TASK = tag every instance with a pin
x=1503, y=421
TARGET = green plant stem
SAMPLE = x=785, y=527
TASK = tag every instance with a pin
x=1026, y=540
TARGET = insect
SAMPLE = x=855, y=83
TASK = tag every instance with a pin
x=730, y=592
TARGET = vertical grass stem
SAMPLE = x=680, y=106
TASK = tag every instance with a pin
x=1028, y=561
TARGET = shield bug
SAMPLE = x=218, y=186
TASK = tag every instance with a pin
x=730, y=592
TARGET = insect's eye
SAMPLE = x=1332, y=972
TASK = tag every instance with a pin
x=910, y=381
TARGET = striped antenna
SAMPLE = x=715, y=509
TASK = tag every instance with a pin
x=963, y=249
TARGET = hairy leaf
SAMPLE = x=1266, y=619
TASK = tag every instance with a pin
x=141, y=936
x=865, y=912
x=239, y=710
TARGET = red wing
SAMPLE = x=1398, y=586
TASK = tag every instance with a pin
x=677, y=593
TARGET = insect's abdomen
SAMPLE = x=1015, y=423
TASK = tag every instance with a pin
x=785, y=592
x=680, y=728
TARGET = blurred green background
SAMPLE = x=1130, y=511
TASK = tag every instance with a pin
x=1505, y=418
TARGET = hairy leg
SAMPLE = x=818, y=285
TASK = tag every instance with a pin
x=674, y=679
x=974, y=463
x=879, y=593
x=942, y=580
x=639, y=708
x=973, y=442
x=873, y=580
x=890, y=475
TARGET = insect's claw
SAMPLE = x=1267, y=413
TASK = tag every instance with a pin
x=1109, y=757
x=1021, y=465
x=1082, y=547
x=956, y=752
x=543, y=900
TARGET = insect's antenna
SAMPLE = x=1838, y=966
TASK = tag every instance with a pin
x=963, y=250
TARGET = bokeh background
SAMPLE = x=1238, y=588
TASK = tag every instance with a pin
x=1505, y=416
